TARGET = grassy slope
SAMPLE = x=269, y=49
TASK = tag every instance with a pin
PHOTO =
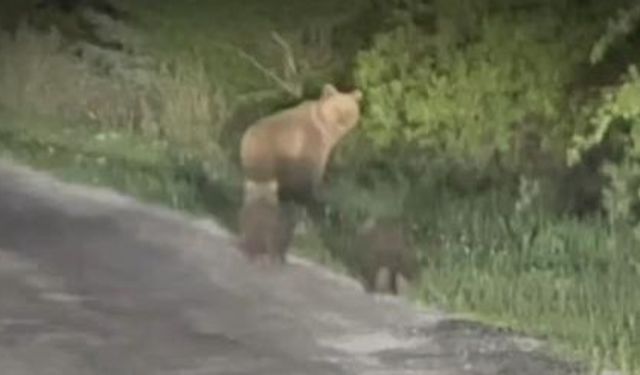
x=574, y=282
x=82, y=154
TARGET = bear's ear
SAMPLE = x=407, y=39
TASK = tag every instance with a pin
x=357, y=95
x=328, y=90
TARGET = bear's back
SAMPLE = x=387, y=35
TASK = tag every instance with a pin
x=286, y=146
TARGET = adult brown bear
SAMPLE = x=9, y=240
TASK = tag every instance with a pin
x=292, y=147
x=283, y=158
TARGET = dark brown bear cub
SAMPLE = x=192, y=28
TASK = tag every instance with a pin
x=266, y=228
x=384, y=244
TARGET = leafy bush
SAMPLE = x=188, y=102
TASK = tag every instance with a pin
x=621, y=26
x=614, y=125
x=462, y=92
x=617, y=121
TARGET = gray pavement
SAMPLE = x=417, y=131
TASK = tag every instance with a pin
x=92, y=282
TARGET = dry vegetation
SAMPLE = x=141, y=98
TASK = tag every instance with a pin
x=41, y=73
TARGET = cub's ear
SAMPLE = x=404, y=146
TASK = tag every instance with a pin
x=328, y=90
x=357, y=95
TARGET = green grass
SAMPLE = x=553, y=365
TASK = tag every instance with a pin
x=150, y=170
x=573, y=282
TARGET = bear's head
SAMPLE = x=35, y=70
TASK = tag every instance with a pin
x=339, y=111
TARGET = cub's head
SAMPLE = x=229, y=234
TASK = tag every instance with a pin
x=339, y=110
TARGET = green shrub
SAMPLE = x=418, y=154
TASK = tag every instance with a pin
x=623, y=25
x=616, y=121
x=460, y=93
x=614, y=125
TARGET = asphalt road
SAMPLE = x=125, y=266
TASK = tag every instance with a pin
x=95, y=283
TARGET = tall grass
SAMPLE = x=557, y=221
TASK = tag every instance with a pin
x=36, y=76
x=119, y=109
x=40, y=73
x=506, y=259
x=574, y=281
